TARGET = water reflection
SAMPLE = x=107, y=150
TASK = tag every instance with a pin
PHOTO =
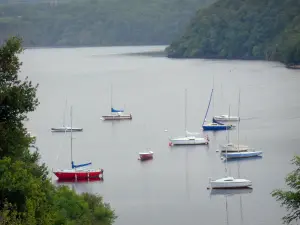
x=80, y=186
x=243, y=159
x=229, y=193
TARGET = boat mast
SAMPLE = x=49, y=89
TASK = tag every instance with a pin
x=212, y=90
x=71, y=115
x=226, y=173
x=111, y=93
x=185, y=110
x=238, y=127
x=213, y=96
x=238, y=131
x=64, y=118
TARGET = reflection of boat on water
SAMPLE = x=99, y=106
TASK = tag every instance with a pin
x=80, y=186
x=241, y=191
x=96, y=179
x=230, y=160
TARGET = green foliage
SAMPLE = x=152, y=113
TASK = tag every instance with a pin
x=248, y=29
x=83, y=209
x=291, y=199
x=27, y=195
x=97, y=22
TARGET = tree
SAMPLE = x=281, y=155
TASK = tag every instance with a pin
x=27, y=195
x=291, y=199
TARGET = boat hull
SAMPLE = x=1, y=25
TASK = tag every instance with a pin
x=224, y=118
x=217, y=127
x=117, y=117
x=146, y=156
x=186, y=141
x=226, y=183
x=66, y=129
x=234, y=148
x=77, y=175
x=242, y=154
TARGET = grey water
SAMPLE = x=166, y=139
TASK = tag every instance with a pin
x=170, y=189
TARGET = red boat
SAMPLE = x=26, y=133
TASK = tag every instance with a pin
x=96, y=179
x=146, y=155
x=73, y=174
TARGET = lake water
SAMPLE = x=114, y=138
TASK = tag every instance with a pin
x=171, y=189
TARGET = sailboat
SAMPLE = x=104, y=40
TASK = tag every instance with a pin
x=215, y=125
x=77, y=172
x=116, y=114
x=65, y=128
x=239, y=151
x=224, y=118
x=189, y=138
x=228, y=181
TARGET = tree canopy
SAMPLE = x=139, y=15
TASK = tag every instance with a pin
x=96, y=22
x=248, y=29
x=27, y=195
x=291, y=198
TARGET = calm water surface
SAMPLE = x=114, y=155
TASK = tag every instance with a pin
x=171, y=189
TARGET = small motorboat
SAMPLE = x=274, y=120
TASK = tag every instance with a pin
x=146, y=155
x=226, y=118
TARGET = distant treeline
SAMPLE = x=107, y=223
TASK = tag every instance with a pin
x=248, y=29
x=96, y=22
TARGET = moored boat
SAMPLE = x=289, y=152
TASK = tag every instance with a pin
x=226, y=118
x=230, y=147
x=233, y=155
x=77, y=172
x=229, y=182
x=190, y=137
x=214, y=125
x=73, y=174
x=118, y=116
x=189, y=140
x=66, y=129
x=146, y=155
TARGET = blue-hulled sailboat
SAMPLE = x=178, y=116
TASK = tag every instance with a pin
x=215, y=125
x=238, y=151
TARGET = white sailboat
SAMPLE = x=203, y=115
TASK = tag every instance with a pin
x=65, y=128
x=189, y=138
x=240, y=151
x=224, y=118
x=116, y=114
x=228, y=181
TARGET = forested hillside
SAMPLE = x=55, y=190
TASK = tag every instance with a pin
x=248, y=29
x=96, y=22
